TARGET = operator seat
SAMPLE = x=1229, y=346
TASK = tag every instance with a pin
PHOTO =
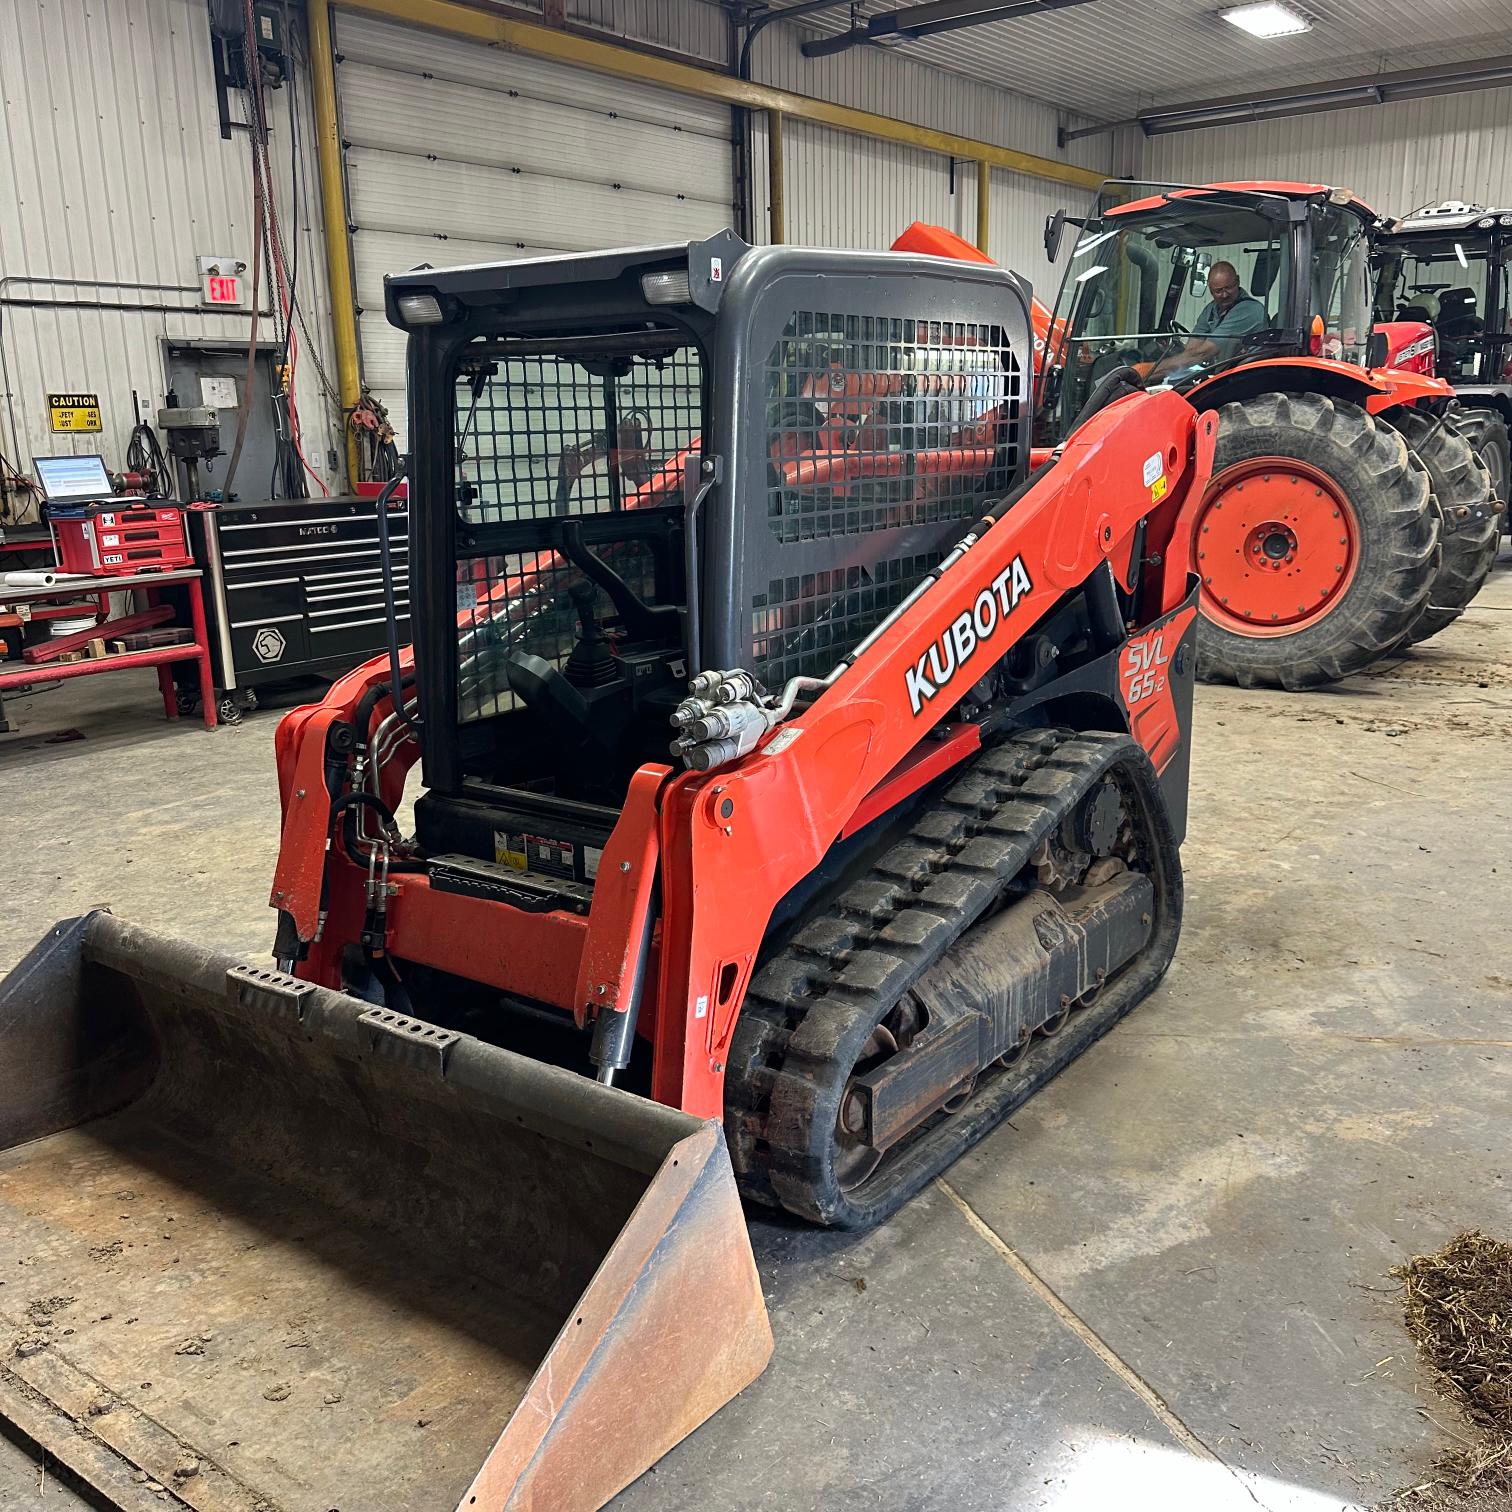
x=1458, y=323
x=1458, y=316
x=1263, y=274
x=1422, y=304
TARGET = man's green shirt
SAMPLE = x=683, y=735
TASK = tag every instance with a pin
x=1242, y=318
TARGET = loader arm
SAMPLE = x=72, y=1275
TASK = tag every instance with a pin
x=1143, y=461
x=855, y=751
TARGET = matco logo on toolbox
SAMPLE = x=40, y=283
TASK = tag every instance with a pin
x=934, y=671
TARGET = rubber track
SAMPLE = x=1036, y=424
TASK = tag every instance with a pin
x=793, y=1043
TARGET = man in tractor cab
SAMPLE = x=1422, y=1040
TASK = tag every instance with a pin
x=1230, y=315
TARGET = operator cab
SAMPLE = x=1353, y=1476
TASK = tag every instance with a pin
x=631, y=467
x=1181, y=281
x=1447, y=266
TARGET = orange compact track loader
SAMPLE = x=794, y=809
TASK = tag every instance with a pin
x=802, y=786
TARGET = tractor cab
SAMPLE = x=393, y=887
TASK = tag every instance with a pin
x=1446, y=267
x=1181, y=282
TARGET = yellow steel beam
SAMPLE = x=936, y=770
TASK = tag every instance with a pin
x=776, y=184
x=334, y=215
x=984, y=190
x=605, y=57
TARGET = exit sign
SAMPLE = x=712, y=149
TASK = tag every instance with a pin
x=221, y=286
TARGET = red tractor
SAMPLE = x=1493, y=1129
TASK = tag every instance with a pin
x=1346, y=516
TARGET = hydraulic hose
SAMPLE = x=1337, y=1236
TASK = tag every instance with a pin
x=345, y=810
x=1113, y=385
x=370, y=701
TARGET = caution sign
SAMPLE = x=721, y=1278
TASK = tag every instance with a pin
x=73, y=412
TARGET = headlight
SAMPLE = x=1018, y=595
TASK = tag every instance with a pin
x=420, y=309
x=666, y=288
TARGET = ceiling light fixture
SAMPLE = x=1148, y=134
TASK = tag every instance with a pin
x=1268, y=20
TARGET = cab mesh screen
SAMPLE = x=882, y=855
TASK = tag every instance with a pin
x=558, y=433
x=877, y=421
x=805, y=624
x=547, y=433
x=886, y=436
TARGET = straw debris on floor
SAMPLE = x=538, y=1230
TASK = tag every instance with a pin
x=1458, y=1308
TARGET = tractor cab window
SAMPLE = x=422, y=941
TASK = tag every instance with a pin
x=1173, y=282
x=1341, y=293
x=569, y=459
x=1452, y=285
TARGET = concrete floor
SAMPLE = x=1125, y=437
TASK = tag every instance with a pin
x=1164, y=1285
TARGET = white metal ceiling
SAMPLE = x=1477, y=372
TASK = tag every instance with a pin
x=1112, y=58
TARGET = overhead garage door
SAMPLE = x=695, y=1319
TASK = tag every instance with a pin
x=460, y=153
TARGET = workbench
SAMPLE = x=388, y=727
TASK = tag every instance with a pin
x=22, y=674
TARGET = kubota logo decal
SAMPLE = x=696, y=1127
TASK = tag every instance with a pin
x=939, y=665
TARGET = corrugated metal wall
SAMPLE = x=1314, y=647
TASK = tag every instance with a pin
x=697, y=29
x=112, y=167
x=1396, y=157
x=843, y=190
x=456, y=152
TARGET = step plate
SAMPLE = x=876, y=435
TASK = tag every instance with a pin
x=532, y=892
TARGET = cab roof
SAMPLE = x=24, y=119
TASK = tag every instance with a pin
x=1285, y=188
x=1452, y=215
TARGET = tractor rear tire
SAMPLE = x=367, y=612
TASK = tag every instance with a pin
x=1486, y=431
x=1459, y=479
x=1330, y=555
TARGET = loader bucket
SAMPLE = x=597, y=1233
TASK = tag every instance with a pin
x=270, y=1249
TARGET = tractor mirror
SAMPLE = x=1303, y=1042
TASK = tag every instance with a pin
x=1376, y=349
x=1055, y=226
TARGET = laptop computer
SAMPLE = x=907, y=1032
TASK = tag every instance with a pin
x=78, y=480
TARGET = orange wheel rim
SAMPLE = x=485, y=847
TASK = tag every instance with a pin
x=1276, y=547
